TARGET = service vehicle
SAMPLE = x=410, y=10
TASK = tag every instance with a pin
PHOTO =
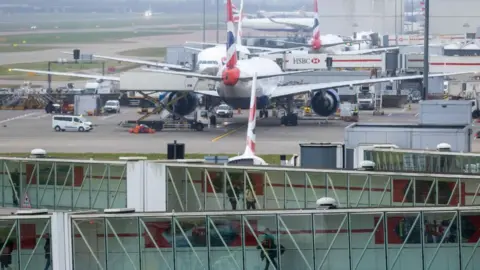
x=112, y=106
x=224, y=110
x=71, y=123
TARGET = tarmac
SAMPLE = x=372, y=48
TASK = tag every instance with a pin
x=22, y=131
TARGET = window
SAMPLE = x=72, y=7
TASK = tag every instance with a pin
x=60, y=118
x=224, y=107
x=111, y=103
x=77, y=120
x=364, y=95
x=46, y=175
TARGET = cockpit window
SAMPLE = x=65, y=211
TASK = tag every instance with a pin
x=244, y=161
x=207, y=62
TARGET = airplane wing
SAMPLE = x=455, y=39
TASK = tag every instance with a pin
x=219, y=78
x=100, y=77
x=282, y=91
x=293, y=25
x=138, y=61
x=266, y=50
x=69, y=74
x=368, y=51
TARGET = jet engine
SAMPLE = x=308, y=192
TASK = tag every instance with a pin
x=184, y=105
x=325, y=103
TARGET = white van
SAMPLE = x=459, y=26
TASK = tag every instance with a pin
x=112, y=106
x=71, y=123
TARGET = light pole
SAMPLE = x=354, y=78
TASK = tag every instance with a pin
x=218, y=20
x=426, y=49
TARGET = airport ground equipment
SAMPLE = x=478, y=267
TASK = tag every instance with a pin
x=141, y=129
x=87, y=105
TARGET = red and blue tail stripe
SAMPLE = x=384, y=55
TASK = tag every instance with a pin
x=231, y=48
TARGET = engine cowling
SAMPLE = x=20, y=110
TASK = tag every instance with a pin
x=325, y=103
x=184, y=105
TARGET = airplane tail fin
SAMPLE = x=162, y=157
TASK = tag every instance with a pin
x=252, y=119
x=239, y=22
x=231, y=48
x=316, y=27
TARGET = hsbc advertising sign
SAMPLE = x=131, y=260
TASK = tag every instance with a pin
x=306, y=61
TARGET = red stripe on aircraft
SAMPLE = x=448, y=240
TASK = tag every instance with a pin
x=445, y=63
x=357, y=60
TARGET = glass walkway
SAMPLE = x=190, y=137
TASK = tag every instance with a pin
x=426, y=238
x=356, y=239
x=76, y=184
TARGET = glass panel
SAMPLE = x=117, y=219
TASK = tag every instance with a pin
x=274, y=190
x=11, y=189
x=441, y=240
x=123, y=242
x=34, y=239
x=88, y=244
x=331, y=241
x=365, y=251
x=337, y=187
x=231, y=183
x=117, y=187
x=315, y=188
x=261, y=242
x=357, y=190
x=253, y=190
x=157, y=245
x=176, y=186
x=295, y=241
x=194, y=198
x=225, y=235
x=294, y=186
x=190, y=237
x=470, y=225
x=402, y=237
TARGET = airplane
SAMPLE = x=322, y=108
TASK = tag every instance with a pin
x=208, y=59
x=331, y=43
x=285, y=14
x=233, y=83
x=148, y=13
x=248, y=157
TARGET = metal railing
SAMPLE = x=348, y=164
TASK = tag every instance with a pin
x=424, y=161
x=204, y=187
x=62, y=184
x=356, y=239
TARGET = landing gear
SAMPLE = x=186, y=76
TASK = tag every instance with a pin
x=290, y=118
x=264, y=113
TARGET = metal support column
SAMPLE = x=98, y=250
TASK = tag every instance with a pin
x=426, y=50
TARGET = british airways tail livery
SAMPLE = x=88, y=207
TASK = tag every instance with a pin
x=248, y=157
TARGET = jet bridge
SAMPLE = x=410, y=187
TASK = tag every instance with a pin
x=300, y=61
x=441, y=63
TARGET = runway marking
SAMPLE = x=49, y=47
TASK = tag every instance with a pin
x=416, y=115
x=18, y=117
x=228, y=133
x=108, y=116
x=41, y=116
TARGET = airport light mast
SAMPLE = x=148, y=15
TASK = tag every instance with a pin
x=426, y=43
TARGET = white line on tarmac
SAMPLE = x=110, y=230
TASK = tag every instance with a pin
x=42, y=116
x=18, y=117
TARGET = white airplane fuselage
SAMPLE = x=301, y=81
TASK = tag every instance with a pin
x=265, y=24
x=214, y=57
x=238, y=95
